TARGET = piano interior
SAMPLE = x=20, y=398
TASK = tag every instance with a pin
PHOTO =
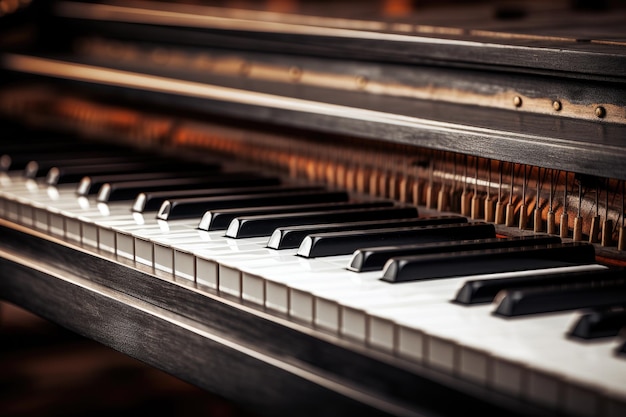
x=508, y=117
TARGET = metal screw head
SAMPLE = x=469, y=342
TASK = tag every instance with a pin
x=556, y=105
x=361, y=81
x=295, y=73
x=245, y=68
x=517, y=101
x=600, y=112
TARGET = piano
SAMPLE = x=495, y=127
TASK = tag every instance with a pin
x=386, y=208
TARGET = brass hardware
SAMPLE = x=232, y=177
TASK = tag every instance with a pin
x=517, y=101
x=295, y=73
x=361, y=81
x=600, y=112
x=556, y=105
x=245, y=68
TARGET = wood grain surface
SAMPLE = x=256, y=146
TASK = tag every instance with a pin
x=50, y=371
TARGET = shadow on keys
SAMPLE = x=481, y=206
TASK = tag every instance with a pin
x=49, y=371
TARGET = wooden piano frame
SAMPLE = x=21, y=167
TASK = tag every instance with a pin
x=267, y=363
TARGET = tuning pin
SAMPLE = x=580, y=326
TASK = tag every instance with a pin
x=466, y=197
x=351, y=178
x=594, y=230
x=578, y=229
x=523, y=216
x=551, y=223
x=523, y=210
x=499, y=217
x=537, y=221
x=416, y=192
x=476, y=203
x=607, y=225
x=510, y=209
x=383, y=184
x=564, y=225
x=621, y=239
x=537, y=215
x=362, y=179
x=510, y=215
x=477, y=206
x=373, y=182
x=395, y=182
x=431, y=196
x=490, y=208
x=607, y=233
x=443, y=200
x=578, y=221
x=551, y=216
x=404, y=188
x=454, y=199
x=466, y=203
x=431, y=193
x=340, y=176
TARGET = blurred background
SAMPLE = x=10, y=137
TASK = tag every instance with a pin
x=46, y=370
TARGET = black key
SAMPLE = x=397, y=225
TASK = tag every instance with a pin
x=152, y=201
x=40, y=168
x=195, y=207
x=91, y=184
x=485, y=290
x=489, y=261
x=14, y=160
x=264, y=225
x=603, y=322
x=344, y=243
x=220, y=219
x=17, y=160
x=128, y=190
x=292, y=236
x=70, y=174
x=374, y=258
x=535, y=300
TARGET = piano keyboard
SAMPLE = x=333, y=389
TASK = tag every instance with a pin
x=530, y=357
